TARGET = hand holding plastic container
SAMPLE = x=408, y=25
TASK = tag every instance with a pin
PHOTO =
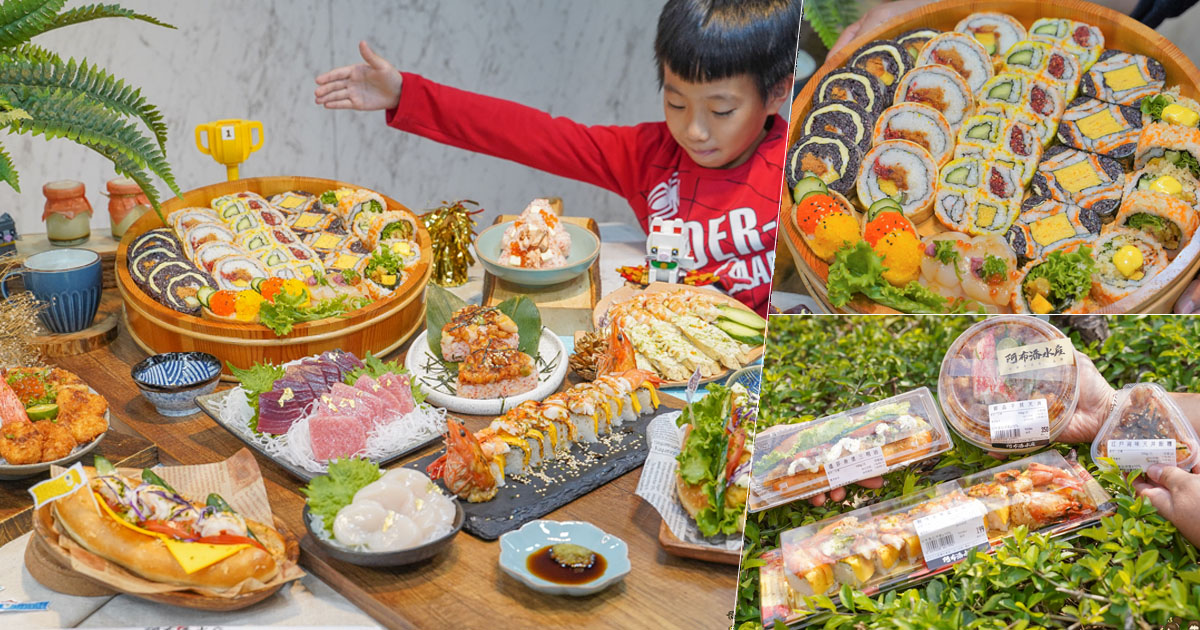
x=1145, y=427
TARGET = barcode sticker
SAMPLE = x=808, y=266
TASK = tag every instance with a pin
x=948, y=534
x=856, y=467
x=1038, y=356
x=1021, y=424
x=1135, y=454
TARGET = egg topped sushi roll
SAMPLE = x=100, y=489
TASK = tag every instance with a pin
x=1170, y=221
x=1084, y=41
x=1164, y=178
x=1079, y=178
x=996, y=32
x=918, y=123
x=914, y=41
x=1098, y=127
x=1171, y=144
x=1123, y=78
x=853, y=85
x=961, y=53
x=832, y=159
x=1047, y=62
x=847, y=120
x=293, y=201
x=1054, y=223
x=900, y=170
x=1171, y=108
x=885, y=60
x=942, y=89
x=1126, y=259
x=1057, y=283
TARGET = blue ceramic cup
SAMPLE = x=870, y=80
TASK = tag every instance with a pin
x=67, y=282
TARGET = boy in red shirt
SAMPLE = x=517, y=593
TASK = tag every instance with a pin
x=716, y=162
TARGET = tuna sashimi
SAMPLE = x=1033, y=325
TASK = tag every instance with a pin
x=336, y=436
x=311, y=374
x=372, y=386
x=399, y=386
x=368, y=407
x=283, y=405
x=11, y=409
x=344, y=361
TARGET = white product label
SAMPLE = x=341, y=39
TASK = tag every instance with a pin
x=856, y=467
x=693, y=383
x=1038, y=356
x=1021, y=424
x=228, y=132
x=1134, y=454
x=947, y=535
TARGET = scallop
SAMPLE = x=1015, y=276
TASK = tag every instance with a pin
x=412, y=479
x=398, y=532
x=938, y=276
x=979, y=249
x=390, y=494
x=434, y=515
x=357, y=522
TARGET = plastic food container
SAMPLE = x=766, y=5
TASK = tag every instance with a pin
x=1146, y=427
x=904, y=540
x=1009, y=384
x=795, y=461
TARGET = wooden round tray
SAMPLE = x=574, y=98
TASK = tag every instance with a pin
x=378, y=328
x=1120, y=31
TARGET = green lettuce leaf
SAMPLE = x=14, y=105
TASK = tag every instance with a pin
x=702, y=460
x=858, y=269
x=256, y=380
x=333, y=491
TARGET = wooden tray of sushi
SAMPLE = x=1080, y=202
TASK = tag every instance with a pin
x=379, y=328
x=1120, y=32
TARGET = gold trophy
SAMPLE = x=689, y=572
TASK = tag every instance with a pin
x=229, y=142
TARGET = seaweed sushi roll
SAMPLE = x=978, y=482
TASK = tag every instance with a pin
x=900, y=170
x=885, y=60
x=996, y=32
x=1104, y=128
x=1084, y=41
x=1172, y=144
x=1079, y=178
x=181, y=289
x=1047, y=62
x=942, y=89
x=1123, y=78
x=1166, y=179
x=852, y=85
x=1056, y=283
x=158, y=237
x=961, y=53
x=325, y=241
x=919, y=123
x=143, y=262
x=160, y=276
x=1170, y=221
x=832, y=159
x=293, y=201
x=310, y=222
x=1126, y=259
x=841, y=119
x=1054, y=223
x=914, y=41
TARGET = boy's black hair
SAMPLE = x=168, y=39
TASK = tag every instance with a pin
x=708, y=40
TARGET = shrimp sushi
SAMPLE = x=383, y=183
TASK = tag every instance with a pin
x=618, y=393
x=496, y=373
x=589, y=412
x=472, y=327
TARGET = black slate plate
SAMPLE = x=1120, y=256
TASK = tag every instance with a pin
x=208, y=404
x=522, y=500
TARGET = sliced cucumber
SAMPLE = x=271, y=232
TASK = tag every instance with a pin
x=204, y=294
x=1002, y=91
x=744, y=334
x=1021, y=58
x=743, y=317
x=1050, y=28
x=958, y=175
x=256, y=283
x=807, y=185
x=980, y=132
x=887, y=204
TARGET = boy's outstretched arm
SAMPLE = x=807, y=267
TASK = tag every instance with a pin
x=364, y=86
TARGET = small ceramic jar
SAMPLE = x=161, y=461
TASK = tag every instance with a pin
x=126, y=202
x=68, y=214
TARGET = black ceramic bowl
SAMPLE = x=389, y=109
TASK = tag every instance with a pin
x=400, y=558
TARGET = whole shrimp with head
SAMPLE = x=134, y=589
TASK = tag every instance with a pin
x=465, y=468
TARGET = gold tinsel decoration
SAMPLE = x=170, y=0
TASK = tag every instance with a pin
x=19, y=324
x=452, y=230
x=588, y=350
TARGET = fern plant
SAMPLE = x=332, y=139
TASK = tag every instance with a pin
x=829, y=18
x=42, y=94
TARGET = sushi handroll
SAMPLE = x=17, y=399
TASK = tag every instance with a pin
x=1123, y=78
x=832, y=159
x=942, y=89
x=919, y=123
x=208, y=254
x=1126, y=260
x=309, y=222
x=960, y=53
x=1083, y=179
x=899, y=170
x=1098, y=127
x=1084, y=41
x=1171, y=108
x=914, y=41
x=1170, y=221
x=1172, y=144
x=996, y=32
x=236, y=272
x=1024, y=92
x=841, y=119
x=852, y=85
x=293, y=202
x=487, y=373
x=1054, y=223
x=885, y=60
x=1164, y=178
x=1047, y=62
x=1057, y=283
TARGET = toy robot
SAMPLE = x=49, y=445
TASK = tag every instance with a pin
x=668, y=250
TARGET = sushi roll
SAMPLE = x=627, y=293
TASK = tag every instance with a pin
x=1054, y=223
x=1098, y=127
x=160, y=277
x=1123, y=78
x=322, y=242
x=188, y=218
x=1047, y=62
x=1055, y=283
x=141, y=264
x=960, y=53
x=914, y=41
x=900, y=170
x=341, y=261
x=245, y=223
x=386, y=228
x=556, y=409
x=208, y=254
x=158, y=237
x=310, y=222
x=273, y=257
x=255, y=240
x=1171, y=144
x=852, y=85
x=1079, y=178
x=996, y=32
x=360, y=200
x=284, y=236
x=1046, y=128
x=841, y=119
x=192, y=239
x=1171, y=108
x=236, y=272
x=1020, y=240
x=492, y=373
x=303, y=254
x=832, y=159
x=1010, y=142
x=1170, y=221
x=1126, y=260
x=919, y=123
x=977, y=196
x=293, y=201
x=589, y=412
x=885, y=60
x=942, y=89
x=1024, y=92
x=618, y=393
x=808, y=573
x=1164, y=178
x=181, y=289
x=272, y=218
x=1084, y=41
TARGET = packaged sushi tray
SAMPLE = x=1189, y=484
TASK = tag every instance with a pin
x=1010, y=164
x=901, y=541
x=1009, y=383
x=1145, y=427
x=795, y=461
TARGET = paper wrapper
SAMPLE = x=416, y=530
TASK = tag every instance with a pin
x=657, y=485
x=238, y=480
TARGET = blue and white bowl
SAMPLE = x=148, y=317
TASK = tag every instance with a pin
x=750, y=377
x=172, y=381
x=515, y=547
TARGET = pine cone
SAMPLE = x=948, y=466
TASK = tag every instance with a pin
x=588, y=350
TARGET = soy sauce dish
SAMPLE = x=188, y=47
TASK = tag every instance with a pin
x=564, y=558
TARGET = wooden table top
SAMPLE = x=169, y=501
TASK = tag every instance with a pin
x=464, y=587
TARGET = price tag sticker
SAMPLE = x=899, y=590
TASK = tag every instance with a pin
x=856, y=467
x=1135, y=454
x=1038, y=356
x=58, y=487
x=1021, y=424
x=947, y=535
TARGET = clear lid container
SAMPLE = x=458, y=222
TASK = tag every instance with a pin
x=796, y=461
x=1144, y=427
x=1009, y=383
x=904, y=540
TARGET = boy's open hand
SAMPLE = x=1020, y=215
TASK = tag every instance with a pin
x=366, y=86
x=1175, y=493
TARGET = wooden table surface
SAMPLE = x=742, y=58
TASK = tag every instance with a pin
x=464, y=587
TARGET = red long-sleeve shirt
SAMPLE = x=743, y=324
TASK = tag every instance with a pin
x=731, y=214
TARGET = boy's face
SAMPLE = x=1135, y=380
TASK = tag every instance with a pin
x=719, y=123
